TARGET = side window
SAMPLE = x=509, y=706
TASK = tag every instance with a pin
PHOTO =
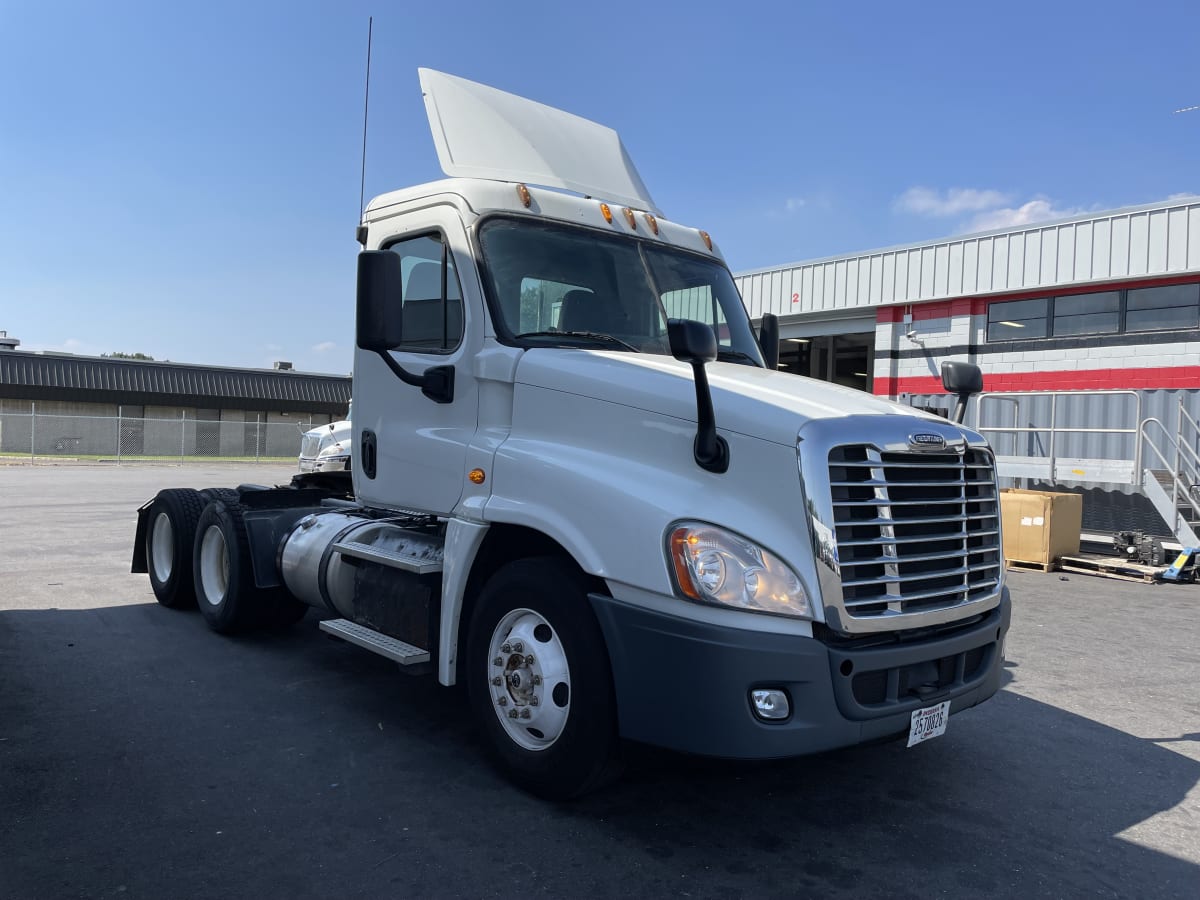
x=431, y=322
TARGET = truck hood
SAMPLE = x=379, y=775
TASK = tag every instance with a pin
x=756, y=402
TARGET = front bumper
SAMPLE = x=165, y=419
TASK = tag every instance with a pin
x=685, y=685
x=324, y=464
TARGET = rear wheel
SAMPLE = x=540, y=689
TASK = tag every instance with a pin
x=539, y=680
x=224, y=579
x=169, y=538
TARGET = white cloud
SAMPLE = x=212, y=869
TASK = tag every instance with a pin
x=923, y=201
x=793, y=204
x=1038, y=210
x=324, y=347
x=1186, y=195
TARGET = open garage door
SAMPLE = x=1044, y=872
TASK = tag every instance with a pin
x=840, y=350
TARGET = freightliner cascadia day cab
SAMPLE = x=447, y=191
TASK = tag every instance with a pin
x=581, y=488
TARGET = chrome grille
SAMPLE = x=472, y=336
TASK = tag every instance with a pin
x=915, y=531
x=310, y=446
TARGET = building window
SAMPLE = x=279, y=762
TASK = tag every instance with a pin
x=1087, y=314
x=1018, y=320
x=1163, y=308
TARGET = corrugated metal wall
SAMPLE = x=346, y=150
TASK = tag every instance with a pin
x=1150, y=240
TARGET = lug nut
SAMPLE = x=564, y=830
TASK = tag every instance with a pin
x=518, y=647
x=497, y=661
x=497, y=681
x=537, y=679
x=506, y=647
x=529, y=660
x=503, y=701
x=512, y=714
x=533, y=701
x=524, y=713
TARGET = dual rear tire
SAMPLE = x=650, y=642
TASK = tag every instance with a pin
x=197, y=554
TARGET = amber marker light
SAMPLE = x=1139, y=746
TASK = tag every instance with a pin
x=477, y=476
x=606, y=212
x=523, y=193
x=681, y=546
x=707, y=240
x=629, y=218
x=652, y=222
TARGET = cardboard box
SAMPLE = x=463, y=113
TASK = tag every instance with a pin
x=1040, y=526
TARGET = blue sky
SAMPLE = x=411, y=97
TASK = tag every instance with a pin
x=183, y=180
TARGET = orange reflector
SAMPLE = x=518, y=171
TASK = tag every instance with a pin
x=523, y=193
x=707, y=239
x=630, y=219
x=477, y=476
x=652, y=222
x=606, y=212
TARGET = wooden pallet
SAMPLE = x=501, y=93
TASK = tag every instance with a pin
x=1020, y=565
x=1110, y=567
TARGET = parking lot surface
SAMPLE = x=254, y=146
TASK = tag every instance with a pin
x=143, y=756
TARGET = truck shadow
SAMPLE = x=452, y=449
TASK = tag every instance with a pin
x=137, y=717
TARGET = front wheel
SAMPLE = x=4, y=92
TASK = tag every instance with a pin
x=540, y=682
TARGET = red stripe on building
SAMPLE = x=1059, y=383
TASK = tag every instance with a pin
x=1161, y=377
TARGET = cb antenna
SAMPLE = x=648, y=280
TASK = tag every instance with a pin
x=361, y=231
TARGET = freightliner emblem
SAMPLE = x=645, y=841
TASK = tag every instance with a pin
x=926, y=441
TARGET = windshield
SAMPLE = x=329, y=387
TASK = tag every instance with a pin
x=553, y=285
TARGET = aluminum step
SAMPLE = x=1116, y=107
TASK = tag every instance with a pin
x=393, y=649
x=425, y=564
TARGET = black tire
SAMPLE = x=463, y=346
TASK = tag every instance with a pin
x=584, y=754
x=224, y=578
x=170, y=535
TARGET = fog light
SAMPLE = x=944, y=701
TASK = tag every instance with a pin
x=771, y=705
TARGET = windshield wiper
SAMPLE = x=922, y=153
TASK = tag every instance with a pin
x=585, y=335
x=727, y=354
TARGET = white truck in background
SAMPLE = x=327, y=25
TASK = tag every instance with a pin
x=327, y=448
x=581, y=487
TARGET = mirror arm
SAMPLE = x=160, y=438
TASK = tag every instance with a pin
x=768, y=340
x=436, y=382
x=710, y=449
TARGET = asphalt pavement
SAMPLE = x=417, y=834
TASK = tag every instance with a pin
x=143, y=756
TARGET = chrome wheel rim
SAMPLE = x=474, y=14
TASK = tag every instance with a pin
x=162, y=547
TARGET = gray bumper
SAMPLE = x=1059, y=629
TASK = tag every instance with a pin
x=685, y=685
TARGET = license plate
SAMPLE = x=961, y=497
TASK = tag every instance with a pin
x=928, y=723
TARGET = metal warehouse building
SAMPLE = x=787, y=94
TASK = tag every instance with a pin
x=1087, y=331
x=55, y=404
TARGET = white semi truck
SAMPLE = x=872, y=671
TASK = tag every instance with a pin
x=581, y=487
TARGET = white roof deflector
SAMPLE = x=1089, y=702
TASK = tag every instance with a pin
x=481, y=132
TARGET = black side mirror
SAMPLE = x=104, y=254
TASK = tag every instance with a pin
x=962, y=379
x=768, y=340
x=380, y=282
x=691, y=341
x=696, y=343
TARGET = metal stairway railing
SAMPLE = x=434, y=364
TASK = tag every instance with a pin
x=1165, y=465
x=1172, y=486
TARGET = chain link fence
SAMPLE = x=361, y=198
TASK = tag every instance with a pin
x=39, y=438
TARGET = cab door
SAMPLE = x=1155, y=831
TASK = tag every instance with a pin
x=410, y=450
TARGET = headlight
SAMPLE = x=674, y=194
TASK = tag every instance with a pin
x=713, y=565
